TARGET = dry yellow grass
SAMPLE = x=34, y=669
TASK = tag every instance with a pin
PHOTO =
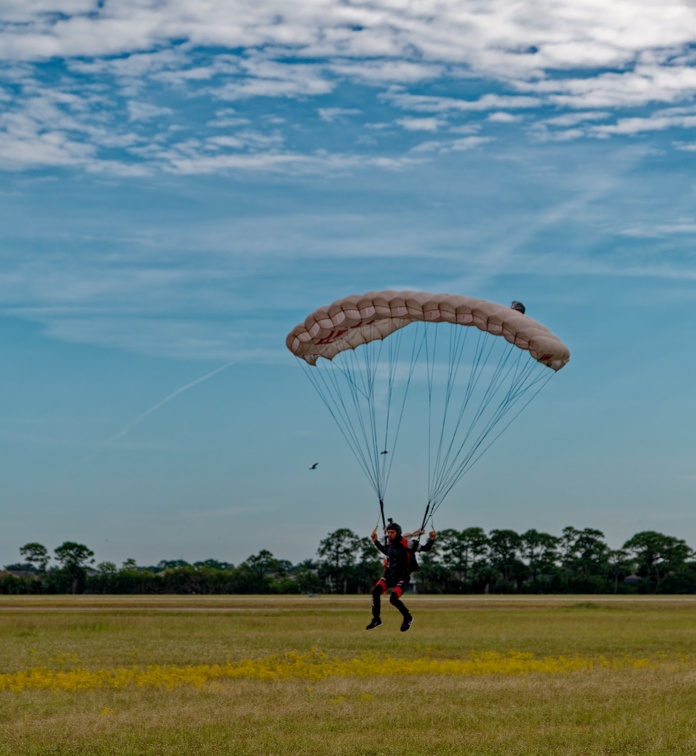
x=303, y=677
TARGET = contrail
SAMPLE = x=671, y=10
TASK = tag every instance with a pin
x=155, y=407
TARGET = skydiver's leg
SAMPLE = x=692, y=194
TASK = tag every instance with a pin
x=395, y=598
x=377, y=591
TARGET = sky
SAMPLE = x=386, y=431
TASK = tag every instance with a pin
x=182, y=182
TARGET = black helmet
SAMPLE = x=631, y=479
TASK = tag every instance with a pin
x=518, y=306
x=391, y=525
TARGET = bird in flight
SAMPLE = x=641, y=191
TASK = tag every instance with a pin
x=314, y=466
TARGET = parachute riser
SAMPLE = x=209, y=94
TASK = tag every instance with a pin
x=425, y=518
x=384, y=521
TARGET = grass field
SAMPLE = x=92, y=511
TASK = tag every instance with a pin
x=298, y=675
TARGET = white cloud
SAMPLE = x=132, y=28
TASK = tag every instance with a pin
x=430, y=104
x=143, y=111
x=491, y=39
x=185, y=339
x=265, y=78
x=564, y=135
x=226, y=118
x=41, y=150
x=500, y=117
x=419, y=124
x=655, y=122
x=227, y=141
x=380, y=72
x=452, y=145
x=644, y=85
x=573, y=119
x=199, y=163
x=110, y=63
x=333, y=114
x=469, y=143
x=687, y=228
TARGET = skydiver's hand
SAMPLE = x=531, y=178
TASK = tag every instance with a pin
x=373, y=536
x=432, y=535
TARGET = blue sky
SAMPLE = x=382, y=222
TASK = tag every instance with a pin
x=181, y=183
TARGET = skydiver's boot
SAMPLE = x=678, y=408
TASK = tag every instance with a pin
x=376, y=622
x=406, y=624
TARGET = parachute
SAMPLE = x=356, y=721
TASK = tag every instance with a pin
x=469, y=366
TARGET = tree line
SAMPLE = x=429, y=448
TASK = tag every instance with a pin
x=462, y=561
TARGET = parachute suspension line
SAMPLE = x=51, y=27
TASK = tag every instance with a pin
x=387, y=451
x=524, y=374
x=394, y=353
x=429, y=369
x=365, y=370
x=325, y=383
x=472, y=458
x=347, y=387
x=380, y=451
x=455, y=466
x=457, y=343
x=369, y=428
x=445, y=456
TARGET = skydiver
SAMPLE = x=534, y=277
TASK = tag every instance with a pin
x=400, y=562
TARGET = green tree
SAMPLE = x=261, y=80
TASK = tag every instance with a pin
x=541, y=552
x=74, y=558
x=504, y=547
x=214, y=564
x=306, y=577
x=657, y=555
x=168, y=564
x=105, y=579
x=338, y=552
x=617, y=561
x=462, y=553
x=36, y=555
x=585, y=560
x=259, y=573
x=368, y=568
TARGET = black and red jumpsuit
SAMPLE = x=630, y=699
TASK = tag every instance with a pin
x=397, y=571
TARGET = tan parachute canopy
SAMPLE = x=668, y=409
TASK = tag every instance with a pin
x=360, y=319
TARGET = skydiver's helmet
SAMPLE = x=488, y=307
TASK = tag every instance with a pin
x=518, y=306
x=394, y=526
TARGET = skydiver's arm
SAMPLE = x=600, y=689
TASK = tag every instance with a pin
x=380, y=546
x=429, y=543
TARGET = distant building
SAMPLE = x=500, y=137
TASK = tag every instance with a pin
x=18, y=573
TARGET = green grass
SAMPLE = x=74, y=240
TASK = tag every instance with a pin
x=601, y=711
